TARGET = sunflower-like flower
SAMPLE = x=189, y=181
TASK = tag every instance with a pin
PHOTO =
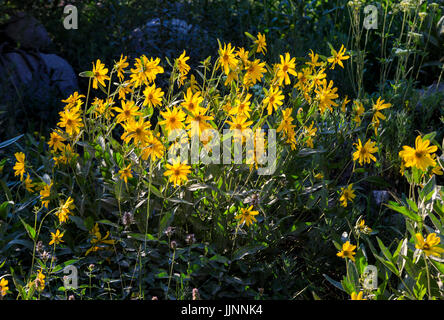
x=347, y=195
x=337, y=57
x=247, y=215
x=429, y=245
x=364, y=152
x=19, y=166
x=56, y=238
x=274, y=99
x=420, y=156
x=261, y=43
x=177, y=172
x=99, y=74
x=174, y=119
x=347, y=251
x=286, y=67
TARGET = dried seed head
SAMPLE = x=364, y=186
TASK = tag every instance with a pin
x=190, y=239
x=169, y=231
x=127, y=219
x=39, y=246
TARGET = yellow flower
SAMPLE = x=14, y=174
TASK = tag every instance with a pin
x=361, y=227
x=313, y=63
x=337, y=57
x=319, y=175
x=359, y=109
x=65, y=210
x=347, y=195
x=243, y=55
x=45, y=193
x=173, y=119
x=72, y=99
x=56, y=238
x=242, y=107
x=287, y=66
x=364, y=152
x=197, y=121
x=125, y=173
x=28, y=184
x=286, y=122
x=98, y=240
x=261, y=43
x=177, y=172
x=193, y=84
x=310, y=132
x=154, y=149
x=227, y=58
x=120, y=66
x=344, y=104
x=347, y=251
x=70, y=120
x=239, y=123
x=274, y=99
x=40, y=281
x=153, y=96
x=128, y=111
x=19, y=166
x=430, y=245
x=420, y=156
x=99, y=74
x=136, y=130
x=182, y=66
x=3, y=287
x=247, y=216
x=325, y=96
x=123, y=89
x=358, y=296
x=255, y=71
x=56, y=142
x=377, y=107
x=191, y=101
x=145, y=71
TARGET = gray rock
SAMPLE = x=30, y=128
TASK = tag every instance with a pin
x=20, y=68
x=380, y=196
x=179, y=33
x=28, y=32
x=61, y=73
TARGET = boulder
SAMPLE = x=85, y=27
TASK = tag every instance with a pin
x=21, y=68
x=27, y=32
x=147, y=39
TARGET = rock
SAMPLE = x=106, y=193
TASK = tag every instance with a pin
x=61, y=73
x=178, y=33
x=21, y=68
x=380, y=196
x=28, y=32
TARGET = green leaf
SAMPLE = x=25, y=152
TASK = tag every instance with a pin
x=384, y=250
x=86, y=74
x=4, y=209
x=403, y=210
x=334, y=283
x=438, y=265
x=30, y=230
x=388, y=264
x=10, y=141
x=244, y=251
